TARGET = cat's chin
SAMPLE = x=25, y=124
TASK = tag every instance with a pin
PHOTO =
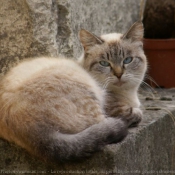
x=119, y=83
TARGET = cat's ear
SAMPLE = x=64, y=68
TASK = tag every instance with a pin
x=88, y=39
x=135, y=33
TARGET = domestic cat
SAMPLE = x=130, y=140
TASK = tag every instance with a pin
x=118, y=63
x=57, y=109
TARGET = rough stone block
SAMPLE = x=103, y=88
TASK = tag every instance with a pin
x=50, y=27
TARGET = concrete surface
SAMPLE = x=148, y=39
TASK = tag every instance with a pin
x=50, y=27
x=149, y=149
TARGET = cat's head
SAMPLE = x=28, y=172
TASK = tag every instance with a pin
x=115, y=60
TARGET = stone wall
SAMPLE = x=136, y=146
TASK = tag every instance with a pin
x=50, y=27
x=32, y=28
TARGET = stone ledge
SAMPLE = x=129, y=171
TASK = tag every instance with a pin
x=148, y=148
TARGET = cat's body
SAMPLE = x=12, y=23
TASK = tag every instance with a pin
x=126, y=67
x=59, y=110
x=46, y=110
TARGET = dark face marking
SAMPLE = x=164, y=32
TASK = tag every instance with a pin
x=125, y=61
x=124, y=56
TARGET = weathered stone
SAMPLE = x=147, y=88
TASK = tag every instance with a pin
x=28, y=28
x=50, y=27
x=99, y=17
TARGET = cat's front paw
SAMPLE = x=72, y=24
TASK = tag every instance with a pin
x=133, y=118
x=122, y=110
x=137, y=117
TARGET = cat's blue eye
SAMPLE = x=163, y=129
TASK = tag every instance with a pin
x=127, y=60
x=104, y=63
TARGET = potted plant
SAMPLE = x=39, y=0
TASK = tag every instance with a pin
x=159, y=42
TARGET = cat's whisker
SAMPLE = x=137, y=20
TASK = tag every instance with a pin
x=146, y=77
x=144, y=86
x=6, y=104
x=105, y=84
x=152, y=80
x=107, y=81
x=144, y=83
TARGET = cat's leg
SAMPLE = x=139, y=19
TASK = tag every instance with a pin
x=58, y=147
x=137, y=112
x=42, y=140
x=67, y=147
x=123, y=110
x=119, y=106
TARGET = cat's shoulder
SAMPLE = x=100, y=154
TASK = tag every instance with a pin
x=32, y=67
x=44, y=62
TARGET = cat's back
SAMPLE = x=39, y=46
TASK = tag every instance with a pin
x=35, y=67
x=31, y=68
x=56, y=87
x=46, y=68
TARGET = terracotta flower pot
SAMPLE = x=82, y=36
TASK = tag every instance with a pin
x=161, y=59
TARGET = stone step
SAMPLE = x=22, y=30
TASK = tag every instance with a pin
x=149, y=149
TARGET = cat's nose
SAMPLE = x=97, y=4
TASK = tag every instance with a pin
x=119, y=75
x=118, y=71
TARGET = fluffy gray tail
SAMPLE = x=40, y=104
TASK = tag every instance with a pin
x=63, y=147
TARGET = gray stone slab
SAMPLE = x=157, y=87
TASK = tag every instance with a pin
x=148, y=149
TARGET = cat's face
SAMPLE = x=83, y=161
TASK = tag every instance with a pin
x=115, y=60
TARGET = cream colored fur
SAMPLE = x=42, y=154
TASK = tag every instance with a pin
x=114, y=48
x=59, y=109
x=66, y=68
x=54, y=109
x=112, y=37
x=126, y=92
